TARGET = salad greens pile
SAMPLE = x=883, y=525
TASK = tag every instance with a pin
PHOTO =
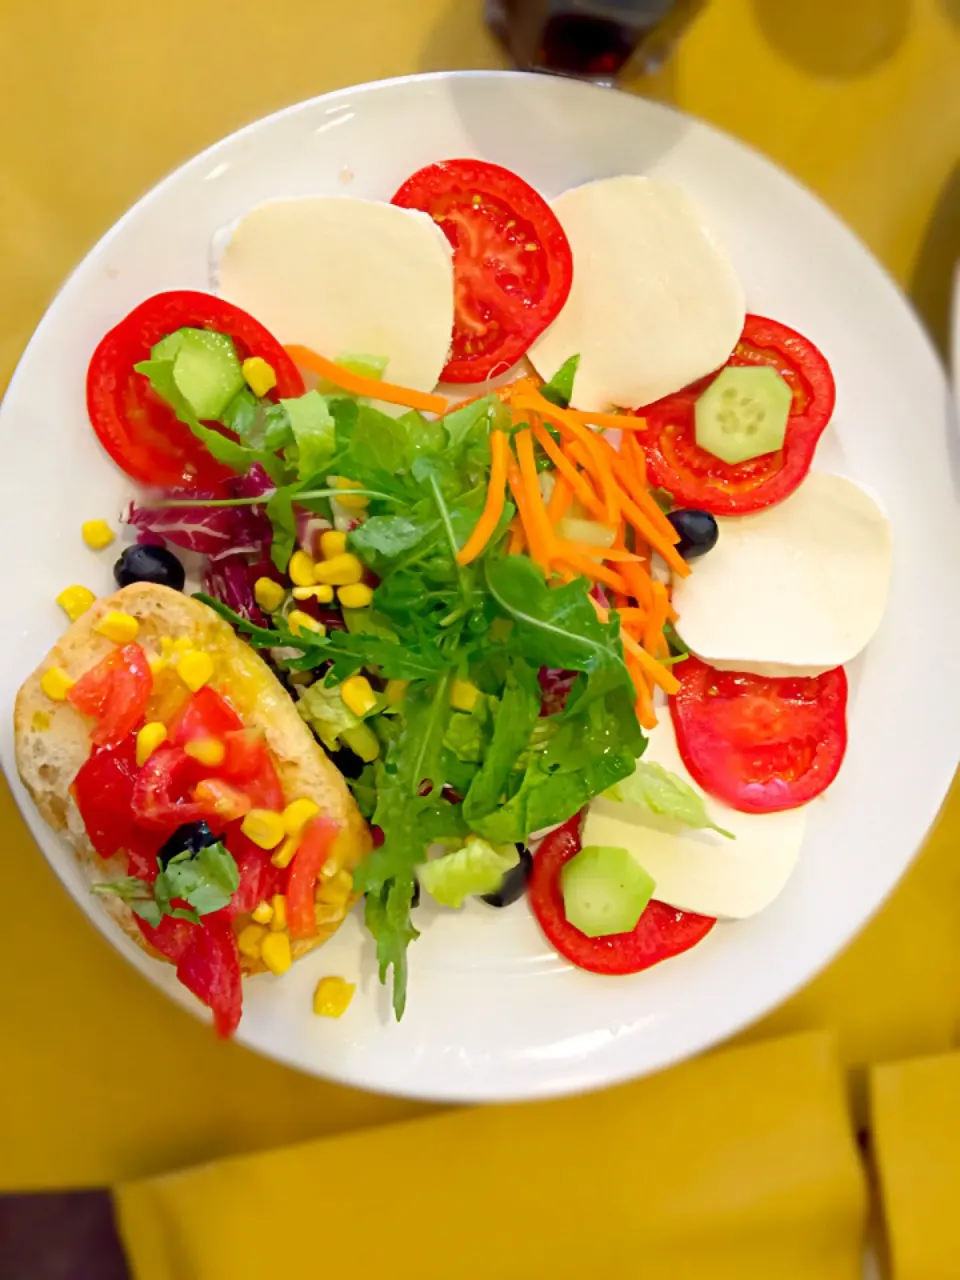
x=475, y=773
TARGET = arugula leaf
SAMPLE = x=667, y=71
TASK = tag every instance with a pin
x=468, y=431
x=476, y=868
x=468, y=733
x=136, y=893
x=558, y=627
x=313, y=431
x=517, y=714
x=383, y=538
x=364, y=790
x=387, y=916
x=560, y=387
x=667, y=795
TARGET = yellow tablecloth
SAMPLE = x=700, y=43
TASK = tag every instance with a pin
x=860, y=99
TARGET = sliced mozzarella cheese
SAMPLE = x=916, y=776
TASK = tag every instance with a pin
x=702, y=871
x=655, y=302
x=793, y=590
x=345, y=277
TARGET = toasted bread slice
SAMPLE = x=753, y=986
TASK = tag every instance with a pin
x=52, y=739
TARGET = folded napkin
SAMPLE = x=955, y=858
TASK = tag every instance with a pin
x=739, y=1165
x=915, y=1119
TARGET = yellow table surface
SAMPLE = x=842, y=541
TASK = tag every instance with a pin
x=859, y=98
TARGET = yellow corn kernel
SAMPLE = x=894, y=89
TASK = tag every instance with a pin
x=157, y=663
x=268, y=594
x=299, y=621
x=464, y=695
x=321, y=593
x=329, y=915
x=297, y=814
x=182, y=645
x=279, y=921
x=346, y=499
x=283, y=856
x=75, y=601
x=275, y=952
x=97, y=534
x=263, y=827
x=332, y=997
x=300, y=569
x=357, y=596
x=166, y=647
x=333, y=542
x=208, y=751
x=339, y=571
x=336, y=890
x=148, y=739
x=195, y=668
x=395, y=692
x=118, y=626
x=358, y=696
x=56, y=684
x=259, y=376
x=330, y=868
x=250, y=940
x=262, y=912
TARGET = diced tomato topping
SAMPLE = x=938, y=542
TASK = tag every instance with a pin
x=162, y=795
x=259, y=878
x=114, y=693
x=312, y=853
x=210, y=968
x=172, y=937
x=103, y=790
x=207, y=714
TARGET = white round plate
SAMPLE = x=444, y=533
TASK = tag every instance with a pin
x=493, y=1013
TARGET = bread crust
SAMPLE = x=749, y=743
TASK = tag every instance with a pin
x=52, y=738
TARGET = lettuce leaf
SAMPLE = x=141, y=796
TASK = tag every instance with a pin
x=664, y=793
x=476, y=868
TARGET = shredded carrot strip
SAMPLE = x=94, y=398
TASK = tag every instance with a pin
x=531, y=486
x=609, y=421
x=633, y=451
x=581, y=488
x=643, y=526
x=593, y=551
x=535, y=548
x=591, y=569
x=638, y=491
x=493, y=507
x=571, y=427
x=653, y=640
x=560, y=500
x=638, y=582
x=517, y=539
x=644, y=708
x=361, y=386
x=658, y=673
x=629, y=614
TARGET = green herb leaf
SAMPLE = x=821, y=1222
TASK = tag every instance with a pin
x=513, y=723
x=313, y=431
x=387, y=916
x=206, y=880
x=559, y=389
x=279, y=510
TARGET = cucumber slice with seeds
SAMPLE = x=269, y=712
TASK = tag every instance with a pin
x=743, y=413
x=604, y=891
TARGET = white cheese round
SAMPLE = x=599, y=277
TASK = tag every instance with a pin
x=655, y=302
x=793, y=590
x=345, y=277
x=702, y=871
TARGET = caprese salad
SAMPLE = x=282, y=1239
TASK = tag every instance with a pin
x=577, y=631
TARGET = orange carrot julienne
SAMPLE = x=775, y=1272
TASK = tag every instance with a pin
x=571, y=427
x=629, y=614
x=493, y=507
x=535, y=547
x=653, y=628
x=560, y=500
x=531, y=486
x=609, y=421
x=660, y=675
x=581, y=488
x=517, y=540
x=644, y=706
x=647, y=531
x=594, y=551
x=638, y=583
x=361, y=386
x=633, y=451
x=591, y=569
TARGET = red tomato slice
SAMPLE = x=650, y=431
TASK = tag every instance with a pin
x=661, y=932
x=172, y=937
x=210, y=968
x=756, y=742
x=206, y=714
x=312, y=853
x=695, y=478
x=511, y=261
x=140, y=431
x=103, y=791
x=159, y=801
x=259, y=878
x=114, y=693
